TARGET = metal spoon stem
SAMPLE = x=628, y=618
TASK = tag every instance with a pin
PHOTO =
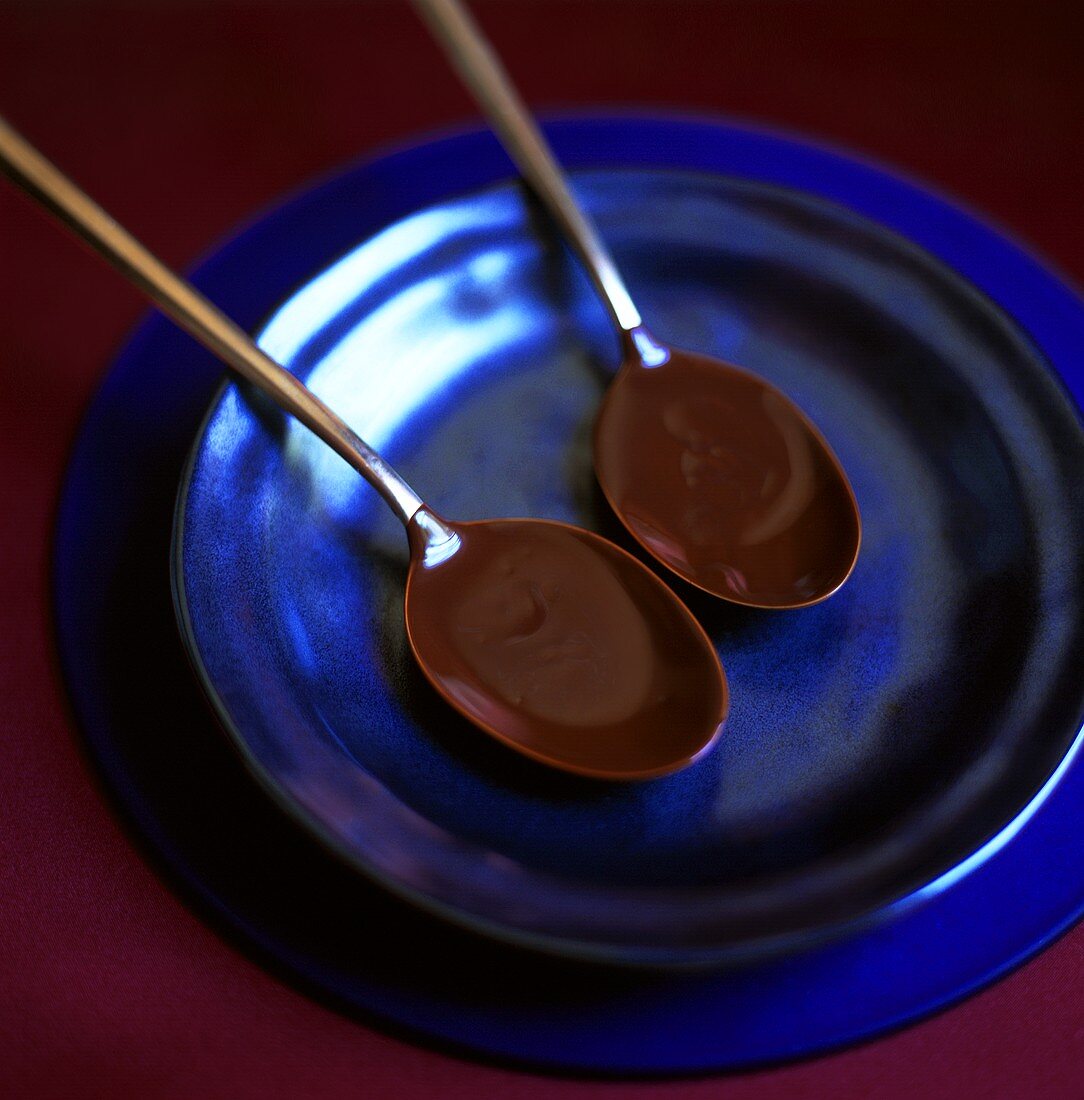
x=196, y=315
x=482, y=72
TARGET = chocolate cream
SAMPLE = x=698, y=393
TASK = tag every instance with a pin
x=724, y=480
x=561, y=643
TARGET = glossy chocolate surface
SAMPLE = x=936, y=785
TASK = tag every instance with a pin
x=563, y=646
x=720, y=476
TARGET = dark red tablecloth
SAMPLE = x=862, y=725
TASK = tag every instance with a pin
x=183, y=118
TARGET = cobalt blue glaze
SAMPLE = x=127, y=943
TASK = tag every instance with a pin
x=874, y=741
x=302, y=908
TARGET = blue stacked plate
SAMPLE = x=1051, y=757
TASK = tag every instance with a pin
x=897, y=767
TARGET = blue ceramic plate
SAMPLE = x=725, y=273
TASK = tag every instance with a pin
x=280, y=893
x=875, y=742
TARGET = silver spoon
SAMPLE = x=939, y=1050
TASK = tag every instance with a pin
x=713, y=470
x=548, y=637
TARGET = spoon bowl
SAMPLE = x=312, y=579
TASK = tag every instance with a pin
x=562, y=646
x=721, y=477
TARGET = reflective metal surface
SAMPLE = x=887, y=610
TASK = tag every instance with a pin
x=875, y=741
x=528, y=678
x=714, y=471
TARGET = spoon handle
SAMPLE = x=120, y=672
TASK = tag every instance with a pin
x=196, y=315
x=482, y=72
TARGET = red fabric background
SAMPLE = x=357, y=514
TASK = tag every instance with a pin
x=183, y=118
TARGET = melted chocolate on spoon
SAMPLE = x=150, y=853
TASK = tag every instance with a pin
x=725, y=481
x=563, y=646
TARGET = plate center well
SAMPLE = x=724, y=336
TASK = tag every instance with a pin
x=871, y=737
